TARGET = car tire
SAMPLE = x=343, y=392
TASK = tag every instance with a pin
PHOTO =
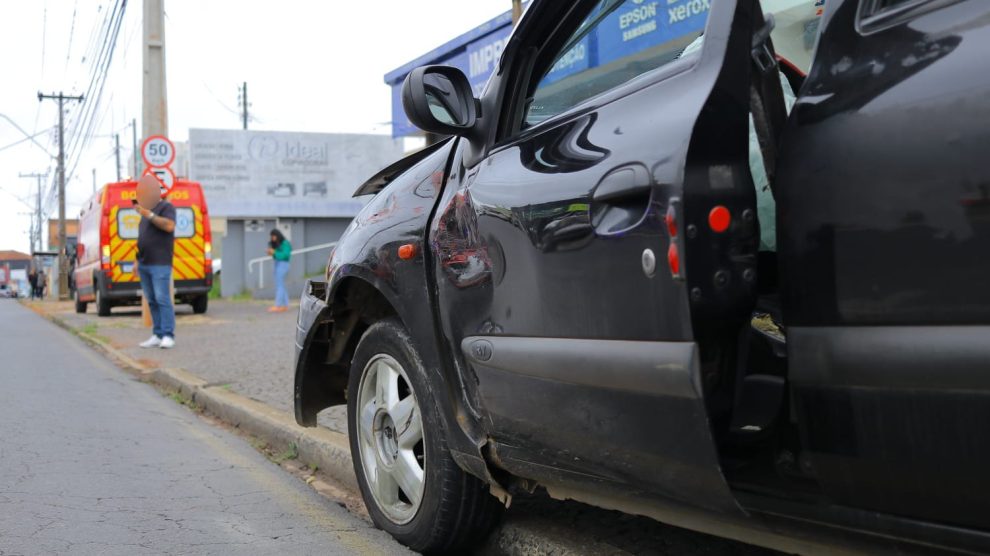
x=454, y=510
x=200, y=304
x=80, y=305
x=102, y=303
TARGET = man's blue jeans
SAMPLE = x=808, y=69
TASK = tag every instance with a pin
x=155, y=280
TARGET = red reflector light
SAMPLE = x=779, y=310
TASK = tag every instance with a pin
x=674, y=260
x=671, y=222
x=719, y=219
x=407, y=251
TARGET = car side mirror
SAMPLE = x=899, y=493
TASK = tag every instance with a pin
x=439, y=99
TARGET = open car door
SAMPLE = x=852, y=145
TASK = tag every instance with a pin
x=593, y=250
x=884, y=232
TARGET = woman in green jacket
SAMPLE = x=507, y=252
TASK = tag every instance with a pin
x=281, y=250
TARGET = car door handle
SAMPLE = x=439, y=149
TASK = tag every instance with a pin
x=623, y=184
x=621, y=200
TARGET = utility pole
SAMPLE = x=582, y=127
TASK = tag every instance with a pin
x=94, y=180
x=116, y=152
x=154, y=116
x=36, y=231
x=516, y=11
x=243, y=100
x=134, y=153
x=63, y=260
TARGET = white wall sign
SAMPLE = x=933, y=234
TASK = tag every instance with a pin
x=270, y=174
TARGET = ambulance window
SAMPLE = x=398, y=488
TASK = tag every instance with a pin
x=185, y=222
x=128, y=222
x=618, y=41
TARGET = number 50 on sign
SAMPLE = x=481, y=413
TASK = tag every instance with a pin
x=157, y=151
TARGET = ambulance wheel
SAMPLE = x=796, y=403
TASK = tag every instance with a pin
x=80, y=305
x=102, y=303
x=200, y=304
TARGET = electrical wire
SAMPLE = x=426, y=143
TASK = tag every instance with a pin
x=72, y=32
x=92, y=114
x=41, y=73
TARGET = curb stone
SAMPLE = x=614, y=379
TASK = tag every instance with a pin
x=330, y=450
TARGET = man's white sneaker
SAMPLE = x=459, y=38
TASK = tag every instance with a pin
x=167, y=343
x=151, y=342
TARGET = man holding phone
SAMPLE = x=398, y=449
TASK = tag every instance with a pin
x=156, y=242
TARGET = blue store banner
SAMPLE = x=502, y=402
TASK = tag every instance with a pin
x=637, y=25
x=641, y=24
x=483, y=56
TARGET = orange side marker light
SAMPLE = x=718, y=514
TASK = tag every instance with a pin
x=407, y=251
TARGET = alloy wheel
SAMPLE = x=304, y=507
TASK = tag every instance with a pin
x=390, y=439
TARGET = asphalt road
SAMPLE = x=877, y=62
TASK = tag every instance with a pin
x=93, y=461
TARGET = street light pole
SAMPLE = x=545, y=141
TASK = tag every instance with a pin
x=516, y=11
x=63, y=259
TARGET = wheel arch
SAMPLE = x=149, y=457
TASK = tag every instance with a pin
x=353, y=304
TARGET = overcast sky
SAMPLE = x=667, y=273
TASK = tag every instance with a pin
x=310, y=66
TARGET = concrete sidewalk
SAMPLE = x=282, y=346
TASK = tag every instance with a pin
x=236, y=362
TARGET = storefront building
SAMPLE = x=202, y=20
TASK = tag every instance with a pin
x=636, y=27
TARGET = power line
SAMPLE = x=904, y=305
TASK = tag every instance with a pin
x=44, y=47
x=26, y=134
x=95, y=74
x=72, y=32
x=75, y=121
x=88, y=122
x=28, y=138
x=99, y=49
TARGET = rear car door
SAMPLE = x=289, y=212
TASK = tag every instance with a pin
x=884, y=232
x=561, y=282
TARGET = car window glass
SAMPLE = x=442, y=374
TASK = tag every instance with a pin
x=795, y=31
x=185, y=222
x=618, y=41
x=128, y=221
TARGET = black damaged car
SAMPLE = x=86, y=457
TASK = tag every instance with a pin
x=689, y=282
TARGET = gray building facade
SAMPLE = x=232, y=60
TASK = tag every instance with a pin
x=301, y=183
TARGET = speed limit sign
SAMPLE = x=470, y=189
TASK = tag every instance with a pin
x=165, y=175
x=157, y=151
